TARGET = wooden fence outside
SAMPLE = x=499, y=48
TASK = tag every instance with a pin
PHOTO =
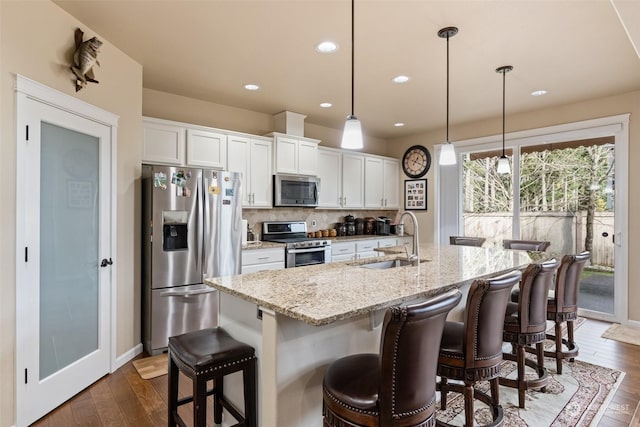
x=565, y=230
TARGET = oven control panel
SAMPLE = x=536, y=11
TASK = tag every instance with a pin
x=310, y=243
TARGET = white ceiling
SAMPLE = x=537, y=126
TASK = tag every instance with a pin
x=208, y=50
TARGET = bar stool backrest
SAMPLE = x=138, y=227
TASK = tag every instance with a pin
x=409, y=348
x=536, y=282
x=568, y=281
x=526, y=245
x=466, y=241
x=484, y=317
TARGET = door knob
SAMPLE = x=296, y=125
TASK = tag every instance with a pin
x=105, y=262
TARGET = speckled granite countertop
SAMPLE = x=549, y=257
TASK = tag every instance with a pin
x=322, y=294
x=262, y=245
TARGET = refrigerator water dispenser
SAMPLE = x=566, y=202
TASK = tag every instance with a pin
x=174, y=230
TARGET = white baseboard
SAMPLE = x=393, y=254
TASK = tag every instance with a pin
x=632, y=323
x=124, y=358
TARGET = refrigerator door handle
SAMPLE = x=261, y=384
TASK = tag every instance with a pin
x=201, y=206
x=187, y=293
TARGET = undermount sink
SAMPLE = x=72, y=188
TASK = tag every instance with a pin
x=381, y=265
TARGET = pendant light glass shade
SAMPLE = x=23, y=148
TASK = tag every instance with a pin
x=447, y=152
x=503, y=165
x=352, y=135
x=503, y=162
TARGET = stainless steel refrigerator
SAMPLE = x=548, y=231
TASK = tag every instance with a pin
x=191, y=223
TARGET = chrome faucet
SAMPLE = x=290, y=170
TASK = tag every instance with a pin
x=414, y=258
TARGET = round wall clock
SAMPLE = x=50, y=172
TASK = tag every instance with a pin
x=416, y=161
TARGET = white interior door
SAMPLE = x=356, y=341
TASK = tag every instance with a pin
x=64, y=274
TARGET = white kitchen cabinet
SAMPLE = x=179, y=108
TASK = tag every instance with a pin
x=366, y=248
x=162, y=142
x=262, y=259
x=352, y=180
x=252, y=158
x=295, y=155
x=343, y=251
x=391, y=183
x=330, y=175
x=382, y=181
x=387, y=242
x=206, y=149
x=373, y=182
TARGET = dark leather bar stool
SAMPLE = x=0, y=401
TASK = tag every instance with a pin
x=471, y=351
x=563, y=307
x=466, y=241
x=525, y=325
x=210, y=354
x=397, y=386
x=526, y=245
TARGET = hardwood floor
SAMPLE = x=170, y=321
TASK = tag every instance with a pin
x=124, y=399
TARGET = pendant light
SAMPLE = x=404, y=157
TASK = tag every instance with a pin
x=503, y=161
x=447, y=152
x=352, y=135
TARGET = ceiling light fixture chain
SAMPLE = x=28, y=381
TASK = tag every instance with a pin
x=447, y=152
x=352, y=135
x=503, y=161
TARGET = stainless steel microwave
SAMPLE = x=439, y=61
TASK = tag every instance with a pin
x=293, y=190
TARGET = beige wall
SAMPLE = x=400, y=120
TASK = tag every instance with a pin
x=168, y=106
x=36, y=40
x=609, y=106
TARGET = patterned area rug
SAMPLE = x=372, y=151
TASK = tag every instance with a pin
x=578, y=397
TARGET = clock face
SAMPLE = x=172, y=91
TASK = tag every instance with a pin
x=416, y=161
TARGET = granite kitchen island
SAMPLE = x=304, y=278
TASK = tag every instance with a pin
x=301, y=319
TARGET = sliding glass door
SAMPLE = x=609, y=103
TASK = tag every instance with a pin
x=562, y=190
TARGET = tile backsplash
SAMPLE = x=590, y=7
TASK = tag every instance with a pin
x=325, y=218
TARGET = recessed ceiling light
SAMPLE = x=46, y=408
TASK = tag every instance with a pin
x=326, y=105
x=251, y=87
x=538, y=92
x=400, y=79
x=326, y=47
x=398, y=125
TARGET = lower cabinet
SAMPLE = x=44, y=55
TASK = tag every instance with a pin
x=366, y=248
x=262, y=259
x=387, y=242
x=343, y=251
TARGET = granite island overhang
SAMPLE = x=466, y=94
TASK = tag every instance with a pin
x=322, y=294
x=301, y=319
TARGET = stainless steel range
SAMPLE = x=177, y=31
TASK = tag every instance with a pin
x=300, y=250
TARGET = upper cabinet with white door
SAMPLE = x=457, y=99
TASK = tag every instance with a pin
x=353, y=165
x=295, y=154
x=252, y=158
x=330, y=176
x=163, y=142
x=382, y=181
x=356, y=181
x=173, y=143
x=207, y=149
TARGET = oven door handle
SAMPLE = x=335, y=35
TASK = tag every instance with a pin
x=302, y=251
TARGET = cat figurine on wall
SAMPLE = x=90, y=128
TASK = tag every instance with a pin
x=85, y=57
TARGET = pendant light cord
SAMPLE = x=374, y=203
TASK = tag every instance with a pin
x=504, y=72
x=352, y=56
x=447, y=88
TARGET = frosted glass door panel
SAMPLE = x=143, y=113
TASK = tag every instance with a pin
x=69, y=226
